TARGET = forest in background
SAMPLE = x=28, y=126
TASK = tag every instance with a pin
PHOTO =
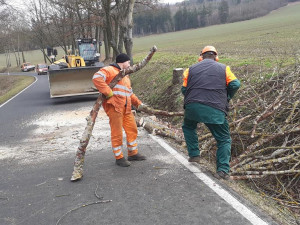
x=52, y=23
x=200, y=13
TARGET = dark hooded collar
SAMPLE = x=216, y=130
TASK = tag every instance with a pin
x=115, y=65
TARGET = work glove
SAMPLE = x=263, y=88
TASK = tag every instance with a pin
x=109, y=95
x=142, y=107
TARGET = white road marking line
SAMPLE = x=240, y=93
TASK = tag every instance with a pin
x=242, y=209
x=18, y=93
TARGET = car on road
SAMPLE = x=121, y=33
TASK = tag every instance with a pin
x=41, y=68
x=25, y=67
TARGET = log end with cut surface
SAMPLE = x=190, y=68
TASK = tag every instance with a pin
x=78, y=167
x=76, y=175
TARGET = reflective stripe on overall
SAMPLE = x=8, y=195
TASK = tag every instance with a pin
x=117, y=122
x=118, y=109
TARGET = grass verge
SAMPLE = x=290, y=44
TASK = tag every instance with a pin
x=11, y=85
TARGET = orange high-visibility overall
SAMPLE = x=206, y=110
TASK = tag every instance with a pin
x=118, y=109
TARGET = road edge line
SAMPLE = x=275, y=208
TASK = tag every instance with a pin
x=19, y=92
x=231, y=200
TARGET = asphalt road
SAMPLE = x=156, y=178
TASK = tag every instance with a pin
x=164, y=189
x=32, y=102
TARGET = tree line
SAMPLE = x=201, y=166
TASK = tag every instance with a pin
x=200, y=13
x=54, y=23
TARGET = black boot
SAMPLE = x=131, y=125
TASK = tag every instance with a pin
x=137, y=157
x=122, y=162
x=195, y=159
x=222, y=175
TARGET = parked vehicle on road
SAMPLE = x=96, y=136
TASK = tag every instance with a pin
x=25, y=67
x=41, y=68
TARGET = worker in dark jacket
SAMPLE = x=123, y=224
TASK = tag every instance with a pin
x=207, y=88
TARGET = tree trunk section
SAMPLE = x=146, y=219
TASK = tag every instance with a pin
x=177, y=76
x=128, y=36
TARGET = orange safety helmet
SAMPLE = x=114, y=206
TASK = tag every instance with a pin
x=208, y=49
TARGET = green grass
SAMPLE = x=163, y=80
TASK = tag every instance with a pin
x=251, y=48
x=34, y=57
x=276, y=35
x=278, y=32
x=11, y=85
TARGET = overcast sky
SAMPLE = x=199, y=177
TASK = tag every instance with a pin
x=170, y=1
x=18, y=2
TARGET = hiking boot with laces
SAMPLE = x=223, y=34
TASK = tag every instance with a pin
x=137, y=157
x=222, y=175
x=195, y=159
x=122, y=162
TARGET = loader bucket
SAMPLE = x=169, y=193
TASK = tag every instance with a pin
x=72, y=81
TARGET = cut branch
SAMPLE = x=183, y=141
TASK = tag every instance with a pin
x=152, y=111
x=255, y=145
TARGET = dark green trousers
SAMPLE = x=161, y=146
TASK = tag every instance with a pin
x=222, y=136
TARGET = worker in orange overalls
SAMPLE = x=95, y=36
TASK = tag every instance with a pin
x=117, y=106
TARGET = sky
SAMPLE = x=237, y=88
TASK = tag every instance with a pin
x=17, y=2
x=170, y=1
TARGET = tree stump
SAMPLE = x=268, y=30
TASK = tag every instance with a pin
x=177, y=76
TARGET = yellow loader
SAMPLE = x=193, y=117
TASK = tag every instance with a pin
x=70, y=76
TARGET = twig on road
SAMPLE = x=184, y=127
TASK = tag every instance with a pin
x=84, y=205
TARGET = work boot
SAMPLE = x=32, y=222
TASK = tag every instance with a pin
x=222, y=175
x=122, y=162
x=195, y=159
x=137, y=157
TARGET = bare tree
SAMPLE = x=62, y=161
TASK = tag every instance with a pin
x=9, y=32
x=118, y=25
x=56, y=23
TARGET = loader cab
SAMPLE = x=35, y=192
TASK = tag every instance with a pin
x=88, y=50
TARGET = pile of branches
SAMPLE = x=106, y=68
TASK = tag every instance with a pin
x=265, y=130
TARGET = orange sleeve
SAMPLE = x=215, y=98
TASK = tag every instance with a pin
x=99, y=80
x=185, y=77
x=229, y=75
x=135, y=100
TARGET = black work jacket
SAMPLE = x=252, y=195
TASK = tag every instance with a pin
x=207, y=85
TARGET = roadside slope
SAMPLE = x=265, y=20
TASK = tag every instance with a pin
x=11, y=85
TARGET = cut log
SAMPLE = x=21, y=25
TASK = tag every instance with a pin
x=151, y=125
